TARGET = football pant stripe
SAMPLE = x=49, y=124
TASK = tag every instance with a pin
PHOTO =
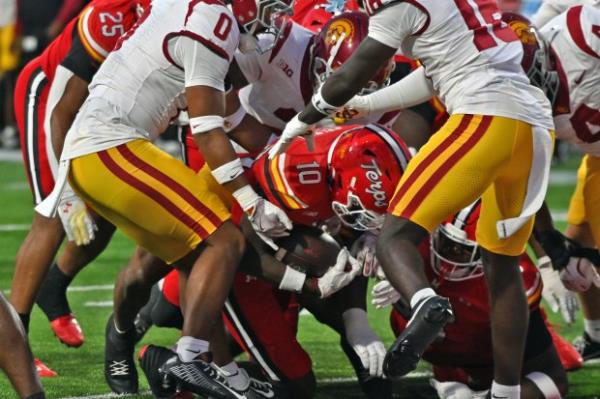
x=152, y=193
x=446, y=166
x=404, y=187
x=37, y=83
x=181, y=191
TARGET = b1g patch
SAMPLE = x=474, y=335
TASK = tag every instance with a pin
x=339, y=29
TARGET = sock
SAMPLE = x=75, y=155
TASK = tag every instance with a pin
x=188, y=348
x=39, y=395
x=505, y=391
x=420, y=295
x=592, y=328
x=236, y=377
x=52, y=297
x=25, y=320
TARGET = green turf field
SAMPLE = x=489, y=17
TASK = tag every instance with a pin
x=80, y=370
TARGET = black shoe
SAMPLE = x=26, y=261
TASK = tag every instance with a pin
x=587, y=348
x=261, y=389
x=428, y=321
x=151, y=358
x=200, y=378
x=141, y=327
x=119, y=368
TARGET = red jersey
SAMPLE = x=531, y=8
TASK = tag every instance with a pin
x=296, y=180
x=99, y=26
x=467, y=342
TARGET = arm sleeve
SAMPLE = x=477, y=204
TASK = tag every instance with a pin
x=249, y=64
x=79, y=61
x=394, y=23
x=414, y=89
x=201, y=65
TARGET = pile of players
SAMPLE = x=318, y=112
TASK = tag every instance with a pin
x=295, y=148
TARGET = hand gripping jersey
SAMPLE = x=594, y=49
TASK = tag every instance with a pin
x=471, y=56
x=280, y=80
x=141, y=85
x=575, y=39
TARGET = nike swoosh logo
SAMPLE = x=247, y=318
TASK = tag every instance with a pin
x=578, y=80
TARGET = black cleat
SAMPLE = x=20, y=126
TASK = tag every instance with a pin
x=587, y=348
x=151, y=358
x=261, y=390
x=200, y=378
x=119, y=368
x=428, y=320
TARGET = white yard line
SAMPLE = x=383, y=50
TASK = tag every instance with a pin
x=98, y=304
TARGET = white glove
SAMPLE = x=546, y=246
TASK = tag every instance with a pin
x=556, y=294
x=365, y=342
x=356, y=107
x=265, y=217
x=337, y=277
x=451, y=389
x=579, y=275
x=75, y=217
x=293, y=129
x=363, y=250
x=384, y=294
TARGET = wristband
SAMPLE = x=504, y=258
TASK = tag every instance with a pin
x=228, y=171
x=542, y=260
x=321, y=105
x=246, y=197
x=292, y=280
x=204, y=124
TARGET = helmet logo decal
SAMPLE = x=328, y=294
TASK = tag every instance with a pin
x=373, y=174
x=341, y=28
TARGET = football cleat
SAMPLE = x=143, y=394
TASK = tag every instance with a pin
x=119, y=368
x=427, y=322
x=151, y=358
x=43, y=370
x=262, y=389
x=587, y=348
x=141, y=327
x=201, y=378
x=67, y=330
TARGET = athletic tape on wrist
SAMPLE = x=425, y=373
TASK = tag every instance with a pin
x=204, y=124
x=542, y=260
x=232, y=121
x=246, y=197
x=292, y=280
x=545, y=384
x=321, y=105
x=228, y=171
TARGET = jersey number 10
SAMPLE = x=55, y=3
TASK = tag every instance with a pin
x=485, y=20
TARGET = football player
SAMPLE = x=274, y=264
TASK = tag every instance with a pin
x=350, y=177
x=49, y=91
x=462, y=360
x=496, y=143
x=175, y=58
x=15, y=355
x=551, y=8
x=572, y=58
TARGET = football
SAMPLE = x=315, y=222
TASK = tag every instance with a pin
x=309, y=250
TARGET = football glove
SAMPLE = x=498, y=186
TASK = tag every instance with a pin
x=293, y=129
x=356, y=107
x=579, y=275
x=363, y=250
x=365, y=342
x=265, y=217
x=384, y=294
x=452, y=389
x=556, y=294
x=77, y=221
x=337, y=277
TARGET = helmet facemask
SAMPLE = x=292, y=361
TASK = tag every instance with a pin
x=354, y=215
x=542, y=73
x=266, y=22
x=454, y=257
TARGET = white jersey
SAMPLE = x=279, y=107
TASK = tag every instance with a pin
x=280, y=80
x=574, y=37
x=471, y=56
x=141, y=86
x=551, y=8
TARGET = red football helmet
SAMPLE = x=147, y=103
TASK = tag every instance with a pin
x=538, y=57
x=365, y=165
x=455, y=253
x=336, y=43
x=260, y=16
